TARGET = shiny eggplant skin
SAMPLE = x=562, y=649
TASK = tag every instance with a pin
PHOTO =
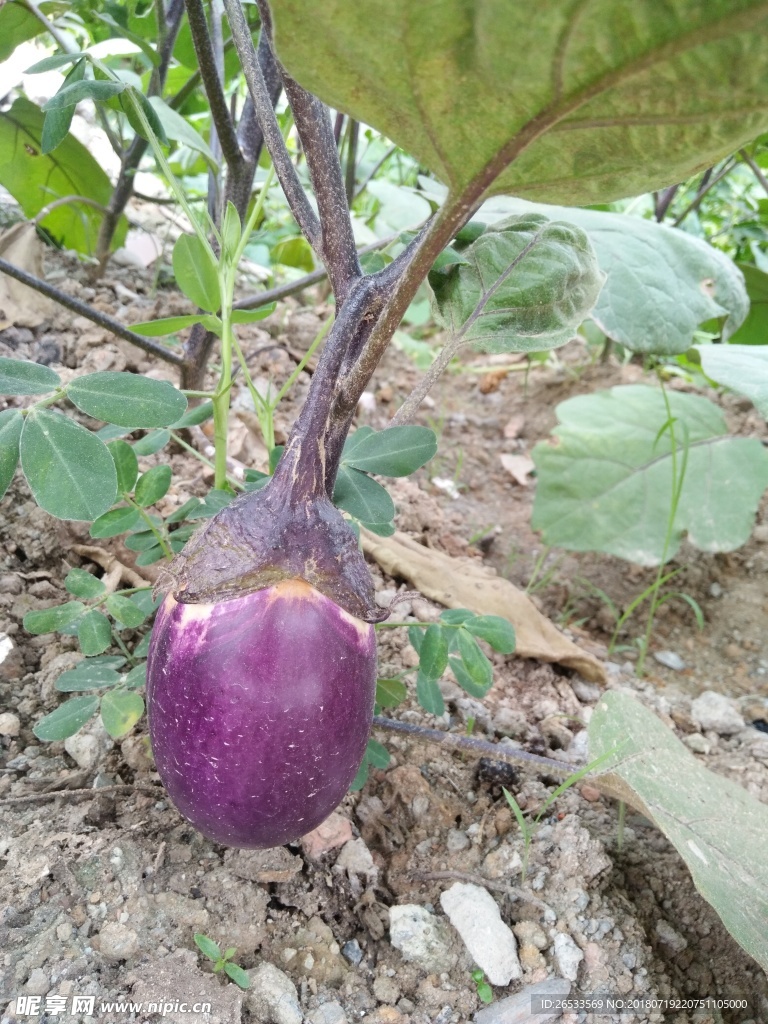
x=259, y=710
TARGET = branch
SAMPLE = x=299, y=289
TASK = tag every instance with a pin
x=89, y=313
x=49, y=27
x=209, y=72
x=257, y=87
x=353, y=135
x=337, y=249
x=755, y=168
x=710, y=184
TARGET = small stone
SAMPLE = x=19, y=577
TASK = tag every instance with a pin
x=328, y=1013
x=669, y=659
x=715, y=590
x=9, y=724
x=116, y=942
x=263, y=866
x=88, y=746
x=568, y=956
x=456, y=841
x=421, y=937
x=714, y=711
x=670, y=937
x=590, y=793
x=351, y=951
x=386, y=989
x=587, y=693
x=272, y=997
x=697, y=743
x=760, y=534
x=502, y=862
x=335, y=831
x=37, y=983
x=355, y=859
x=475, y=915
x=529, y=933
x=64, y=932
x=517, y=1009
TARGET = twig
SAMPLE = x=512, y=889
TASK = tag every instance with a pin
x=703, y=190
x=755, y=168
x=78, y=794
x=353, y=134
x=374, y=171
x=273, y=137
x=102, y=319
x=462, y=876
x=475, y=747
x=109, y=564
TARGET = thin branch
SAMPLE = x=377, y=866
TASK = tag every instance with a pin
x=474, y=746
x=79, y=794
x=273, y=138
x=206, y=57
x=49, y=27
x=353, y=134
x=755, y=168
x=703, y=190
x=374, y=171
x=63, y=201
x=663, y=200
x=107, y=322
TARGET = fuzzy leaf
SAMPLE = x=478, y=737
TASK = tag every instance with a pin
x=433, y=655
x=152, y=485
x=496, y=631
x=573, y=102
x=605, y=484
x=115, y=522
x=527, y=284
x=429, y=695
x=22, y=377
x=48, y=620
x=88, y=676
x=743, y=368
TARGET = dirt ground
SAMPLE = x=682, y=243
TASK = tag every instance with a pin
x=103, y=886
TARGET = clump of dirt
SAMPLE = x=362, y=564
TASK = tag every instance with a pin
x=103, y=885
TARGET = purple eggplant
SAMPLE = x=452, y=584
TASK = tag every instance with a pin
x=259, y=710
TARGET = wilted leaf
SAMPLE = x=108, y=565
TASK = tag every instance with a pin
x=120, y=711
x=715, y=825
x=526, y=285
x=567, y=102
x=605, y=484
x=20, y=305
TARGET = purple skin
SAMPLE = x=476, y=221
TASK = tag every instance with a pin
x=259, y=710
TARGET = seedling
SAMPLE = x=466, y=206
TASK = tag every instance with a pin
x=484, y=990
x=222, y=961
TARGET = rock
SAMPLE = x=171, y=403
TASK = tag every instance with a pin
x=37, y=983
x=351, y=951
x=697, y=743
x=587, y=693
x=328, y=1013
x=88, y=746
x=456, y=841
x=264, y=866
x=568, y=956
x=421, y=937
x=386, y=989
x=335, y=831
x=714, y=711
x=9, y=724
x=475, y=915
x=116, y=942
x=670, y=937
x=525, y=1005
x=272, y=997
x=356, y=861
x=669, y=660
x=503, y=862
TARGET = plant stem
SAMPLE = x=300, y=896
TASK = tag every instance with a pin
x=82, y=309
x=705, y=187
x=150, y=525
x=353, y=134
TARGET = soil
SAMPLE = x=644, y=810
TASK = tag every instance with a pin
x=103, y=886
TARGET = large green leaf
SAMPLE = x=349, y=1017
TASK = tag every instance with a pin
x=575, y=102
x=34, y=180
x=660, y=283
x=525, y=285
x=18, y=23
x=717, y=827
x=743, y=368
x=754, y=330
x=605, y=484
x=128, y=399
x=69, y=470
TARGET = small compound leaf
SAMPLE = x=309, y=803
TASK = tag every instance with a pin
x=11, y=422
x=120, y=711
x=465, y=680
x=22, y=377
x=194, y=416
x=167, y=325
x=48, y=620
x=141, y=540
x=152, y=485
x=180, y=130
x=208, y=947
x=116, y=521
x=149, y=111
x=416, y=638
x=197, y=273
x=67, y=719
x=124, y=611
x=137, y=677
x=237, y=974
x=87, y=89
x=152, y=442
x=496, y=631
x=151, y=555
x=717, y=827
x=57, y=122
x=84, y=584
x=433, y=655
x=250, y=316
x=476, y=664
x=127, y=399
x=377, y=754
x=69, y=470
x=94, y=633
x=58, y=60
x=456, y=616
x=126, y=465
x=88, y=676
x=396, y=451
x=606, y=485
x=742, y=368
x=429, y=695
x=527, y=285
x=362, y=497
x=390, y=692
